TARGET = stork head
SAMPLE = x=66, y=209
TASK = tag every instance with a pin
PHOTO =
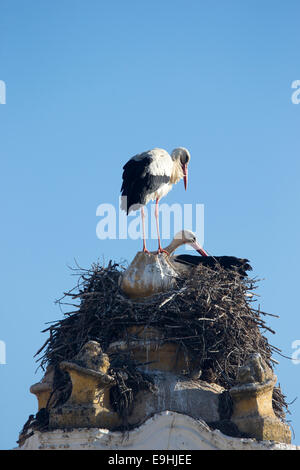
x=182, y=156
x=190, y=238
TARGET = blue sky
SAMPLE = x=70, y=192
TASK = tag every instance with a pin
x=88, y=85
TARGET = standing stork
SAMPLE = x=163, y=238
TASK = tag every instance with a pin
x=150, y=176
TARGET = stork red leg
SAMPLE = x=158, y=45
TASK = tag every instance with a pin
x=144, y=236
x=160, y=249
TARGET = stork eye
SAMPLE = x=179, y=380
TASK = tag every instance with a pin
x=184, y=159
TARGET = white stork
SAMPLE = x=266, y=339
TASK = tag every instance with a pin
x=150, y=176
x=188, y=261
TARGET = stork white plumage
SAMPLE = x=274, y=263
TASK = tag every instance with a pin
x=150, y=176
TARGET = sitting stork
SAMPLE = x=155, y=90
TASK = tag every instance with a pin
x=186, y=262
x=150, y=176
x=150, y=274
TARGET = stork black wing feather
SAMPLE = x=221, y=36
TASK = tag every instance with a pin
x=138, y=182
x=227, y=262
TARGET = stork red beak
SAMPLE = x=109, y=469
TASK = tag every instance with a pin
x=198, y=248
x=185, y=175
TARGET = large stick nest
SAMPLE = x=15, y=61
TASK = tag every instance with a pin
x=210, y=315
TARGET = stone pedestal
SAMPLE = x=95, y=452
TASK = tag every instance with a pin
x=252, y=403
x=88, y=405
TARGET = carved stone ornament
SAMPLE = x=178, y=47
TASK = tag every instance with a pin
x=148, y=274
x=253, y=413
x=88, y=405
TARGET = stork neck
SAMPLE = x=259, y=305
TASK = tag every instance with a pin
x=175, y=243
x=177, y=173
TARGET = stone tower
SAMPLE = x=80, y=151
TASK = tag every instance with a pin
x=138, y=383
